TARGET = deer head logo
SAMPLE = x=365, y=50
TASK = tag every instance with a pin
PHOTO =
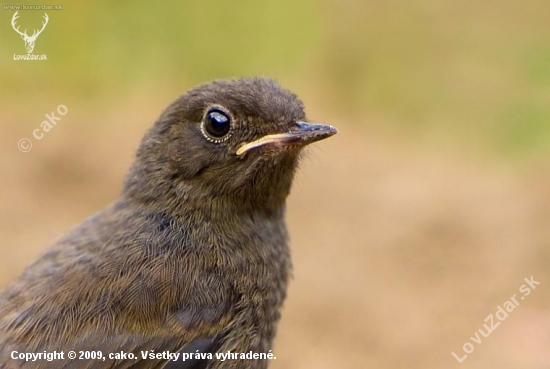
x=29, y=40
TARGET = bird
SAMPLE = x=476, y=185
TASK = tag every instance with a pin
x=192, y=257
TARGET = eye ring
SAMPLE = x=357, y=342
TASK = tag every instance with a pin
x=217, y=124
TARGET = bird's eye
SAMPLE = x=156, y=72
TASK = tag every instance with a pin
x=216, y=125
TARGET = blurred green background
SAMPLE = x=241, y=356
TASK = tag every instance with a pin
x=424, y=214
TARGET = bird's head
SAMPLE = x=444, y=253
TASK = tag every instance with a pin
x=230, y=141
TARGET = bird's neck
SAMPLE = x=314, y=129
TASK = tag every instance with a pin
x=180, y=198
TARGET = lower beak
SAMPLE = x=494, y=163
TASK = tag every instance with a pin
x=300, y=133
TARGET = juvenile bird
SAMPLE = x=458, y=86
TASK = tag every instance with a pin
x=193, y=256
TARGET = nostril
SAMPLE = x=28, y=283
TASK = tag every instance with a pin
x=295, y=127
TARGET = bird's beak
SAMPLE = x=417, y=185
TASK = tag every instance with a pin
x=300, y=133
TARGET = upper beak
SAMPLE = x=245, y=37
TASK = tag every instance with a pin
x=301, y=133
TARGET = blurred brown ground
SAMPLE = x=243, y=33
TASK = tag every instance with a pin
x=408, y=228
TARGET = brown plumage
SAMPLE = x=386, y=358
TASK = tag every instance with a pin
x=192, y=256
